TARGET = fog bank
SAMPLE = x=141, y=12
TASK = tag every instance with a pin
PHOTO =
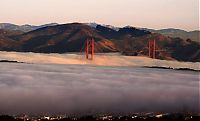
x=51, y=88
x=104, y=59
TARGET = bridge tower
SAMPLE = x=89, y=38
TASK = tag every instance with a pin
x=90, y=49
x=152, y=49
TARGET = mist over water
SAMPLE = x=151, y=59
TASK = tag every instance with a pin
x=81, y=89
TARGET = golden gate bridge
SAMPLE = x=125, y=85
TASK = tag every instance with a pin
x=89, y=47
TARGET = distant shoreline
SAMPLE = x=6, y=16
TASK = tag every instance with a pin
x=8, y=61
x=169, y=68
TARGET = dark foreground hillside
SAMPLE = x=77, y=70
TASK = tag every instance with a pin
x=174, y=117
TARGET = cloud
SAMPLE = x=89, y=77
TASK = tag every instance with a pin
x=80, y=89
x=106, y=59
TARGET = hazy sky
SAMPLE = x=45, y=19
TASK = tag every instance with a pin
x=157, y=14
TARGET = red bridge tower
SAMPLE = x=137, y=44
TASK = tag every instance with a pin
x=152, y=49
x=90, y=49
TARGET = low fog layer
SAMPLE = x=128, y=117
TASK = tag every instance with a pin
x=106, y=59
x=50, y=88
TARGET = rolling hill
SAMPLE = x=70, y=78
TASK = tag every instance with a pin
x=23, y=28
x=193, y=35
x=71, y=38
x=6, y=41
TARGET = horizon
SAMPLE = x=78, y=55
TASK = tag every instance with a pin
x=177, y=14
x=99, y=24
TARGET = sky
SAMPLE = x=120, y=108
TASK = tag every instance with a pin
x=157, y=14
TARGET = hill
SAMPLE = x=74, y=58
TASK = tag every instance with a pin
x=7, y=42
x=71, y=38
x=193, y=35
x=23, y=28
